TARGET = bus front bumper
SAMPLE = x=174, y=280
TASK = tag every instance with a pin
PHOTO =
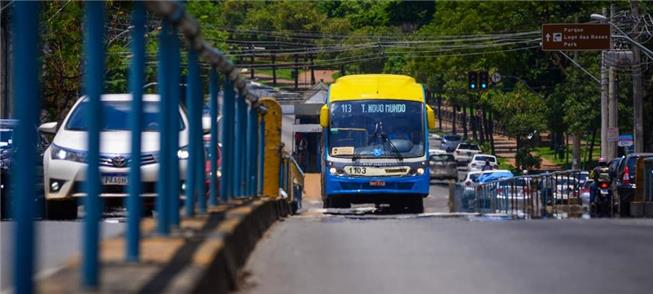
x=405, y=185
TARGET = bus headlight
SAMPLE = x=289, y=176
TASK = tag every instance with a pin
x=333, y=170
x=420, y=171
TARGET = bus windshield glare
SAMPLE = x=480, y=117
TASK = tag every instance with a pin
x=376, y=129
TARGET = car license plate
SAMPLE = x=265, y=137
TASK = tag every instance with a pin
x=114, y=179
x=377, y=183
x=604, y=192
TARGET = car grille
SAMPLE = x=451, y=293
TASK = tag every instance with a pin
x=117, y=160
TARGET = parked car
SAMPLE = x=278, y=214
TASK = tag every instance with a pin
x=465, y=151
x=207, y=164
x=443, y=166
x=478, y=162
x=625, y=179
x=585, y=191
x=7, y=162
x=566, y=188
x=436, y=151
x=450, y=142
x=64, y=161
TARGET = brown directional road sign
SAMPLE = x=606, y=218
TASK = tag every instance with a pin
x=576, y=36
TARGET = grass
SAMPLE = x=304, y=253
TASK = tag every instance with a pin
x=282, y=73
x=549, y=154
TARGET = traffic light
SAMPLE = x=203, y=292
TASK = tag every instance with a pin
x=472, y=83
x=483, y=80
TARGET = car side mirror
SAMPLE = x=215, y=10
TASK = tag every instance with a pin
x=430, y=117
x=324, y=116
x=49, y=128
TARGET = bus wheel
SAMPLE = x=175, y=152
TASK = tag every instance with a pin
x=417, y=205
x=336, y=203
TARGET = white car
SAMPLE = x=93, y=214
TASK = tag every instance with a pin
x=436, y=152
x=465, y=151
x=479, y=160
x=64, y=161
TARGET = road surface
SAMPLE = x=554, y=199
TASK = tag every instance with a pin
x=57, y=241
x=318, y=252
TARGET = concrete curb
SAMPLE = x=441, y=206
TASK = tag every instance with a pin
x=203, y=255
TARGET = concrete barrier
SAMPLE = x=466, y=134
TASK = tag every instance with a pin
x=203, y=255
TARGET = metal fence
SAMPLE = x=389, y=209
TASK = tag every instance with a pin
x=557, y=194
x=242, y=137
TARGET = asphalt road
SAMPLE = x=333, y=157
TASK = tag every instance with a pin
x=57, y=241
x=346, y=252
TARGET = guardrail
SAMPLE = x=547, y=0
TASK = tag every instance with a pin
x=557, y=194
x=242, y=139
x=291, y=181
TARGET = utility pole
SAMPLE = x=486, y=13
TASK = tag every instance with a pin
x=613, y=122
x=604, y=102
x=251, y=61
x=638, y=90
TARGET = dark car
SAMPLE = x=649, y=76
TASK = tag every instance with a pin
x=624, y=181
x=7, y=152
x=450, y=142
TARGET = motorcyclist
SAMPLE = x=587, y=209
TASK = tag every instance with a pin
x=487, y=166
x=600, y=172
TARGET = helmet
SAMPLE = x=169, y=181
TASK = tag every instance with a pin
x=602, y=160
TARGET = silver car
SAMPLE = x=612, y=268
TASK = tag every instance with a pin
x=450, y=142
x=443, y=166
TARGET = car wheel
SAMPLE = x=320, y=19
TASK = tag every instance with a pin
x=61, y=210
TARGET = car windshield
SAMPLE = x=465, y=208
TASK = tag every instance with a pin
x=442, y=157
x=377, y=129
x=115, y=116
x=452, y=137
x=485, y=158
x=468, y=146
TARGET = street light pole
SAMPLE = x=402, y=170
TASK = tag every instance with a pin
x=638, y=90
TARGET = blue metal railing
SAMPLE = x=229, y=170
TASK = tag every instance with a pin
x=242, y=137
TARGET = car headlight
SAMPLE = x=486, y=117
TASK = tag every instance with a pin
x=66, y=154
x=183, y=153
x=219, y=173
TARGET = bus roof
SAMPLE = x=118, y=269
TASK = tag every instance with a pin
x=376, y=86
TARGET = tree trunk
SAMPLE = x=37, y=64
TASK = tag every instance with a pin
x=575, y=163
x=481, y=125
x=491, y=131
x=472, y=120
x=453, y=122
x=464, y=121
x=591, y=151
x=439, y=113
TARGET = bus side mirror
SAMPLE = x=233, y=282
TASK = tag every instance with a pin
x=324, y=116
x=430, y=117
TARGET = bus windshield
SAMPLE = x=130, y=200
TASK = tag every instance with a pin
x=376, y=129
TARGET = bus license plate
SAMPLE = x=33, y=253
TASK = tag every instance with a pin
x=377, y=183
x=114, y=179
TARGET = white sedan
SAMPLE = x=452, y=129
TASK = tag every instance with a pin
x=480, y=160
x=64, y=162
x=465, y=151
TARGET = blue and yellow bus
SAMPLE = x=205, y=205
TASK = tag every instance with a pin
x=375, y=142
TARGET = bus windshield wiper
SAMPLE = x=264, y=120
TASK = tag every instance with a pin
x=392, y=146
x=356, y=156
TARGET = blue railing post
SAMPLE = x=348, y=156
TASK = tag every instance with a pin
x=164, y=91
x=136, y=78
x=93, y=86
x=173, y=130
x=247, y=159
x=213, y=149
x=243, y=146
x=238, y=134
x=194, y=110
x=261, y=152
x=27, y=101
x=228, y=142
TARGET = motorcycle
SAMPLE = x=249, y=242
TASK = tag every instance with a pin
x=603, y=198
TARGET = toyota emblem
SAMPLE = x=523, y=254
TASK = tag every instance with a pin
x=119, y=161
